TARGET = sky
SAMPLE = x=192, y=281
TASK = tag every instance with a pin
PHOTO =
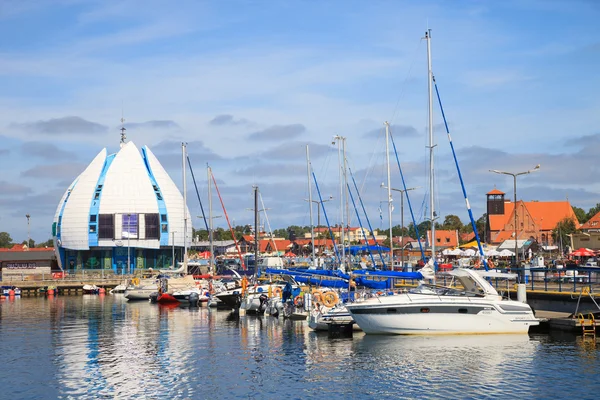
x=249, y=84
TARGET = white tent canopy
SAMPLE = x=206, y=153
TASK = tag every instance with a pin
x=452, y=252
x=506, y=253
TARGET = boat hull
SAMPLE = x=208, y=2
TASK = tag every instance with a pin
x=139, y=294
x=166, y=298
x=432, y=316
x=231, y=299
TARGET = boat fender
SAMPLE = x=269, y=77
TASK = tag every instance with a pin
x=194, y=299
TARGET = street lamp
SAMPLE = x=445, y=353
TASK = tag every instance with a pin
x=28, y=234
x=173, y=246
x=402, y=192
x=514, y=175
x=319, y=208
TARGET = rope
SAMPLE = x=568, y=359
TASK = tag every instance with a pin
x=462, y=184
x=327, y=220
x=229, y=224
x=407, y=198
x=198, y=193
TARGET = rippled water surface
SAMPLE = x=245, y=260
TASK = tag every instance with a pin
x=104, y=347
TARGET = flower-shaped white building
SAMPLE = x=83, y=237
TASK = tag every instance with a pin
x=122, y=207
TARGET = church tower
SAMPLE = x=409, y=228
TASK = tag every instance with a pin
x=495, y=206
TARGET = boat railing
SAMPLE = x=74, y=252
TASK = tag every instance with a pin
x=76, y=275
x=564, y=280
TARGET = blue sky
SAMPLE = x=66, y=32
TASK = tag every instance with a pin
x=249, y=83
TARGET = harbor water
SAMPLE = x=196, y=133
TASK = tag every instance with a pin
x=104, y=347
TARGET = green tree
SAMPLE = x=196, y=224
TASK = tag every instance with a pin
x=398, y=231
x=593, y=211
x=5, y=240
x=423, y=227
x=31, y=243
x=282, y=233
x=563, y=229
x=452, y=222
x=581, y=214
x=47, y=243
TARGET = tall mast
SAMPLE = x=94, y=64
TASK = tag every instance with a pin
x=256, y=229
x=310, y=204
x=432, y=213
x=345, y=184
x=210, y=223
x=342, y=165
x=183, y=155
x=389, y=190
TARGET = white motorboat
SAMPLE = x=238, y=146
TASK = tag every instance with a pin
x=320, y=318
x=472, y=306
x=192, y=296
x=119, y=288
x=142, y=290
x=90, y=289
x=256, y=301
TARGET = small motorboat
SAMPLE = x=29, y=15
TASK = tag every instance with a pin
x=91, y=289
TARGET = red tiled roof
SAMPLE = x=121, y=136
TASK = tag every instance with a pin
x=444, y=238
x=279, y=244
x=21, y=247
x=467, y=237
x=593, y=223
x=546, y=214
x=502, y=236
x=495, y=191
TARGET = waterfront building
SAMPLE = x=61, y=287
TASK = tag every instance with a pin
x=535, y=219
x=589, y=236
x=353, y=234
x=122, y=213
x=21, y=262
x=443, y=239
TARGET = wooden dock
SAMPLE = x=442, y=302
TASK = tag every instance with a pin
x=585, y=322
x=34, y=288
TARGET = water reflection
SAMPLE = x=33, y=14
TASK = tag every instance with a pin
x=93, y=346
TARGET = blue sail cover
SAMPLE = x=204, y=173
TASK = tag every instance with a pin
x=316, y=277
x=388, y=274
x=364, y=249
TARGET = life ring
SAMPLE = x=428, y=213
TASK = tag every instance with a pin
x=477, y=264
x=330, y=299
x=490, y=264
x=299, y=301
x=317, y=295
x=135, y=281
x=277, y=291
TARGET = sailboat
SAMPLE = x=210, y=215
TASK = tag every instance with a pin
x=470, y=305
